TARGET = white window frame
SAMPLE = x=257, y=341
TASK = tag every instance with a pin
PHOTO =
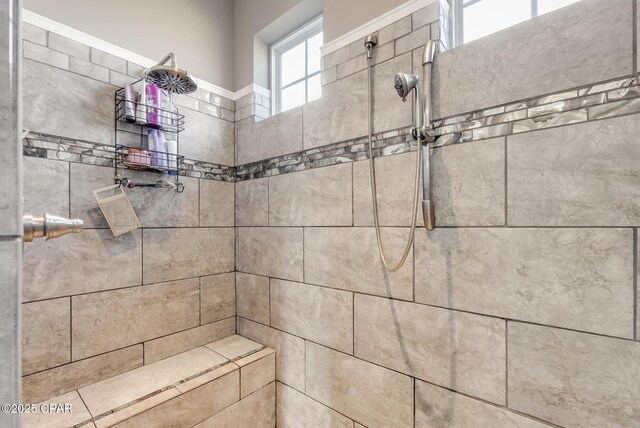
x=299, y=35
x=457, y=17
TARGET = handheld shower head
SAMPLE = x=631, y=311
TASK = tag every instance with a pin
x=404, y=83
x=170, y=77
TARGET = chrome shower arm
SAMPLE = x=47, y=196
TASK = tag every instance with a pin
x=427, y=62
x=169, y=56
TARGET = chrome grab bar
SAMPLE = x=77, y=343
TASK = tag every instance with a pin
x=428, y=210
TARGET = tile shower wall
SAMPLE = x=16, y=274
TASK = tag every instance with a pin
x=95, y=305
x=520, y=309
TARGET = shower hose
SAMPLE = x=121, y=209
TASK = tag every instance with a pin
x=372, y=170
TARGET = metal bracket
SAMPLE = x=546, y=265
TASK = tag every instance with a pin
x=160, y=184
x=427, y=135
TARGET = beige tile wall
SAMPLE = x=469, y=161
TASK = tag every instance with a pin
x=96, y=305
x=519, y=310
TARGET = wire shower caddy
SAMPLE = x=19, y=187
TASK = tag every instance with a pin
x=132, y=134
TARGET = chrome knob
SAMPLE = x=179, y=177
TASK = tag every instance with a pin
x=49, y=226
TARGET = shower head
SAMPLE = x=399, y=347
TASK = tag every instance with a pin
x=404, y=83
x=170, y=77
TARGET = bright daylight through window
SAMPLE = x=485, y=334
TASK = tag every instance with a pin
x=296, y=67
x=477, y=18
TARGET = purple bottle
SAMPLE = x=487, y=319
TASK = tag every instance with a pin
x=154, y=101
x=153, y=144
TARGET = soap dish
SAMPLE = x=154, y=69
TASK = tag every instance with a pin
x=117, y=209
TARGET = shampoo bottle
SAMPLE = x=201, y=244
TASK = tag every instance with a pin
x=154, y=103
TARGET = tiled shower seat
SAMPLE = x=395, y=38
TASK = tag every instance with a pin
x=228, y=383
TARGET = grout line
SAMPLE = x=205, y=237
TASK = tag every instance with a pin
x=634, y=42
x=506, y=186
x=269, y=290
x=70, y=329
x=141, y=256
x=353, y=324
x=635, y=283
x=506, y=363
x=77, y=390
x=414, y=402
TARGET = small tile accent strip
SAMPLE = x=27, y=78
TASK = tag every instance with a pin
x=594, y=102
x=79, y=151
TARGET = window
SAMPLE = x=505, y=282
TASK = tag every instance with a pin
x=473, y=19
x=295, y=67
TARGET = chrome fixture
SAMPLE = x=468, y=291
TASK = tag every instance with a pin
x=170, y=77
x=404, y=84
x=159, y=184
x=49, y=226
x=428, y=212
x=369, y=43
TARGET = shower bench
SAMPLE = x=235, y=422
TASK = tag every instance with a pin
x=228, y=383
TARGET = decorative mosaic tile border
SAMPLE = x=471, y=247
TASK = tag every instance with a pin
x=603, y=100
x=79, y=151
x=594, y=102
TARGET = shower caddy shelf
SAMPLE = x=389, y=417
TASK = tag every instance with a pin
x=171, y=122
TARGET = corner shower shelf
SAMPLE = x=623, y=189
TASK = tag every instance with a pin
x=131, y=140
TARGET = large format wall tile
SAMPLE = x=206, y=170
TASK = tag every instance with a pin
x=347, y=258
x=461, y=351
x=579, y=175
x=274, y=136
x=258, y=410
x=441, y=408
x=154, y=208
x=50, y=383
x=207, y=138
x=46, y=338
x=573, y=379
x=117, y=318
x=46, y=186
x=217, y=297
x=290, y=352
x=67, y=104
x=296, y=410
x=373, y=395
x=315, y=313
x=216, y=203
x=467, y=186
x=185, y=253
x=252, y=297
x=164, y=347
x=275, y=252
x=252, y=202
x=574, y=278
x=553, y=52
x=316, y=197
x=93, y=260
x=395, y=187
x=341, y=113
